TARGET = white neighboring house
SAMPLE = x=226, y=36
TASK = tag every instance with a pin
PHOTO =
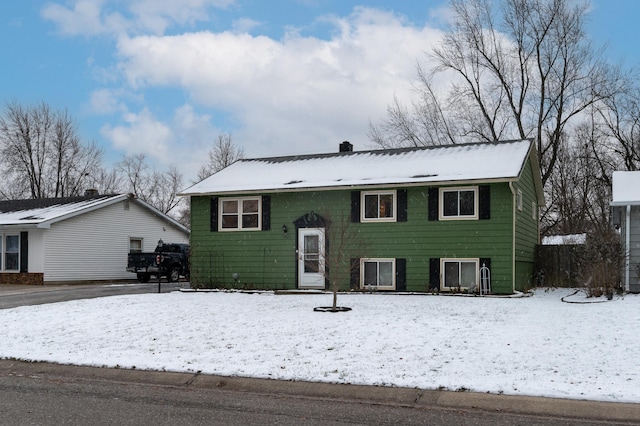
x=626, y=218
x=79, y=238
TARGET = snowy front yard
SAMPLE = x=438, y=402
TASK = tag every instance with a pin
x=530, y=346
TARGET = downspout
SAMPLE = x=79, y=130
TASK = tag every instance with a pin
x=627, y=225
x=513, y=238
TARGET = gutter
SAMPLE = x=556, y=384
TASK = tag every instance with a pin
x=627, y=248
x=513, y=237
x=354, y=186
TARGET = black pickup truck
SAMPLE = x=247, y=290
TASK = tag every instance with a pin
x=172, y=258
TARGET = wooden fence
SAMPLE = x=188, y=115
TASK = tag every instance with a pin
x=557, y=265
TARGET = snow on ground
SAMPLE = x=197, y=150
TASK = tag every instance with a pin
x=529, y=346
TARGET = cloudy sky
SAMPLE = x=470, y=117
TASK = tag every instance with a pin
x=166, y=77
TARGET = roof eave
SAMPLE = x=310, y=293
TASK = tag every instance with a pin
x=624, y=203
x=351, y=187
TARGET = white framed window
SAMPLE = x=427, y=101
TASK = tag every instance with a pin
x=135, y=245
x=378, y=206
x=9, y=253
x=534, y=210
x=519, y=200
x=459, y=203
x=240, y=214
x=459, y=274
x=378, y=274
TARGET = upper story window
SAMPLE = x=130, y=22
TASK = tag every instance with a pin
x=459, y=203
x=378, y=206
x=240, y=214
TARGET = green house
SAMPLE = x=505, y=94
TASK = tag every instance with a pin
x=452, y=218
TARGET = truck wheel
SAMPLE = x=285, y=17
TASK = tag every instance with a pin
x=143, y=278
x=174, y=275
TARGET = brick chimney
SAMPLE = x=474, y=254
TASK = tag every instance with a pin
x=346, y=146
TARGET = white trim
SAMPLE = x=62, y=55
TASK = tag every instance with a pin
x=239, y=213
x=475, y=260
x=627, y=275
x=458, y=189
x=378, y=260
x=392, y=218
x=311, y=280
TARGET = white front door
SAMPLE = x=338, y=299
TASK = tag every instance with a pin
x=311, y=260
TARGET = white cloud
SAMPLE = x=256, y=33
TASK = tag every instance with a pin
x=142, y=134
x=83, y=18
x=184, y=141
x=245, y=25
x=94, y=17
x=299, y=94
x=105, y=101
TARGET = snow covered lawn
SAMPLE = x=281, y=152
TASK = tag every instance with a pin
x=530, y=346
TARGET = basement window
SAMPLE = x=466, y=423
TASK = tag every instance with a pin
x=459, y=274
x=378, y=274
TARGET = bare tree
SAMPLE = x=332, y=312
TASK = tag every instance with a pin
x=223, y=154
x=42, y=154
x=150, y=185
x=621, y=123
x=525, y=69
x=345, y=245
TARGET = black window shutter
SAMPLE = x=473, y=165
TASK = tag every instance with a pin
x=401, y=274
x=355, y=206
x=24, y=251
x=355, y=273
x=434, y=273
x=433, y=203
x=214, y=214
x=266, y=212
x=402, y=205
x=484, y=202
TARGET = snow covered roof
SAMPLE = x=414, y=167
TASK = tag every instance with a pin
x=561, y=240
x=497, y=161
x=41, y=213
x=626, y=188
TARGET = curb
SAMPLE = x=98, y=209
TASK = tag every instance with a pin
x=538, y=406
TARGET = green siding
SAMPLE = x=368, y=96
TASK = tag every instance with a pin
x=527, y=230
x=267, y=259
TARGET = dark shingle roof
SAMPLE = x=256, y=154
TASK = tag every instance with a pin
x=39, y=203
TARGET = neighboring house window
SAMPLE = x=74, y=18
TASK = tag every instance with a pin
x=534, y=211
x=378, y=206
x=378, y=274
x=519, y=200
x=240, y=214
x=459, y=273
x=10, y=252
x=135, y=245
x=458, y=203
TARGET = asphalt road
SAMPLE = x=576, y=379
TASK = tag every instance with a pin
x=46, y=394
x=13, y=296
